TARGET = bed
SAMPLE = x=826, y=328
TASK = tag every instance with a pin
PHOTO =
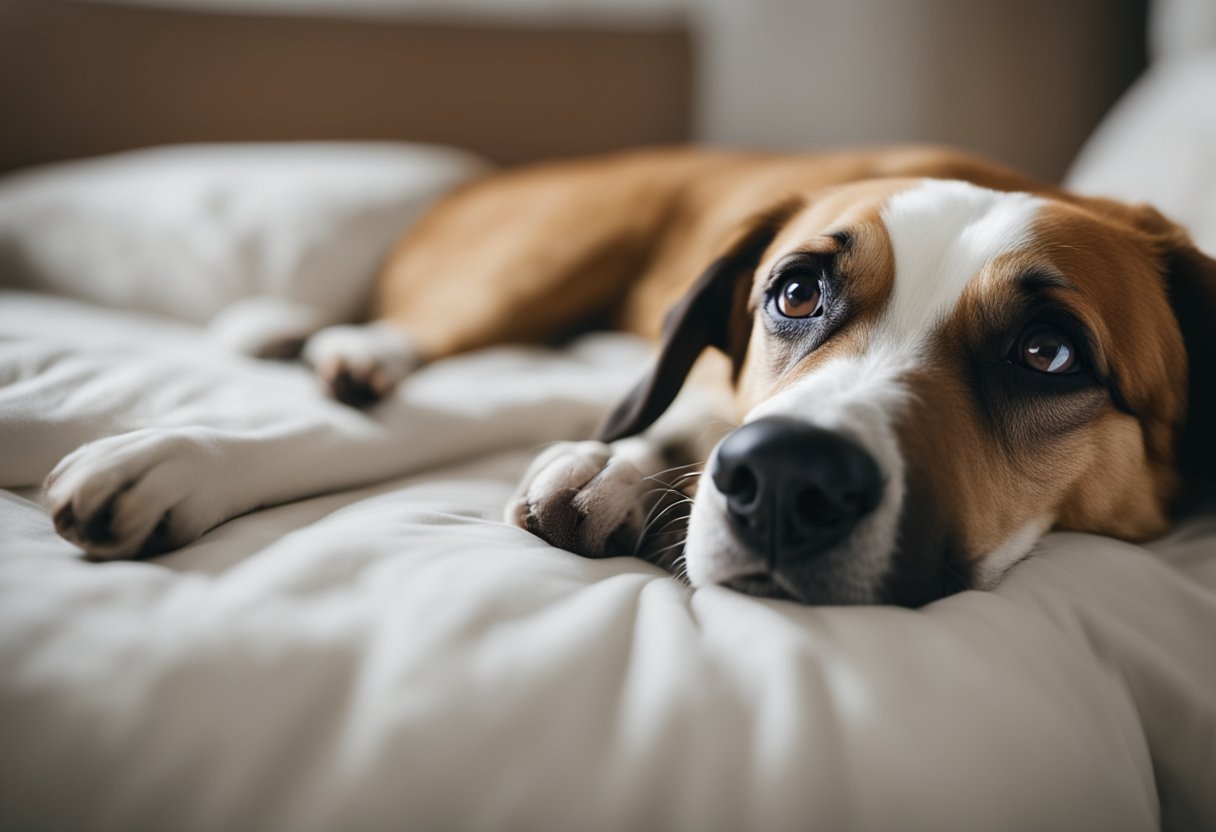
x=392, y=656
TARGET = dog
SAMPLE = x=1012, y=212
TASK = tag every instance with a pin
x=927, y=361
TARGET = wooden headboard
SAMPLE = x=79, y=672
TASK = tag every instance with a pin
x=79, y=79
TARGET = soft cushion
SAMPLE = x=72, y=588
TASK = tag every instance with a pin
x=1157, y=146
x=186, y=231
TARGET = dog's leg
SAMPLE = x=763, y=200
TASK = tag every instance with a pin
x=590, y=498
x=628, y=497
x=511, y=259
x=359, y=364
x=155, y=489
x=142, y=492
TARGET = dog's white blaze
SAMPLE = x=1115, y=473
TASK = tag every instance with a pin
x=942, y=234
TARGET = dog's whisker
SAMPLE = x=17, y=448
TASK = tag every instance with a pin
x=668, y=493
x=661, y=507
x=650, y=523
x=675, y=468
x=661, y=476
x=678, y=468
x=660, y=504
x=658, y=554
x=661, y=488
x=668, y=548
x=666, y=530
x=680, y=568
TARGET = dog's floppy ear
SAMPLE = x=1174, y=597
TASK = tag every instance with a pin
x=712, y=314
x=1191, y=279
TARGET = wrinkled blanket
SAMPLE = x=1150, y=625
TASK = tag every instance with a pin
x=394, y=657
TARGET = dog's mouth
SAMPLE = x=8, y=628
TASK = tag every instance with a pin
x=760, y=584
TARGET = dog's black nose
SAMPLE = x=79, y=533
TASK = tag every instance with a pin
x=794, y=490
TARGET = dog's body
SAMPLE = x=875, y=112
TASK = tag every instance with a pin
x=934, y=360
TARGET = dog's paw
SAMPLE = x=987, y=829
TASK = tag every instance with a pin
x=578, y=496
x=132, y=495
x=359, y=365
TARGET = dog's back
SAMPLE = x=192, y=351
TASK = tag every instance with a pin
x=526, y=255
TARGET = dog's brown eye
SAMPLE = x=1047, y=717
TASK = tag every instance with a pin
x=800, y=297
x=1048, y=350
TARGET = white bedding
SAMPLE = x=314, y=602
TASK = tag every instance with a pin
x=393, y=657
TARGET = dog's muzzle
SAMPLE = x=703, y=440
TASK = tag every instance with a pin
x=794, y=491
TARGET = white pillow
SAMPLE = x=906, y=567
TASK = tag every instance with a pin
x=1158, y=145
x=186, y=231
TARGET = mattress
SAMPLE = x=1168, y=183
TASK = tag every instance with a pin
x=393, y=656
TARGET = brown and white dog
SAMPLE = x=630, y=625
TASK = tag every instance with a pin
x=932, y=360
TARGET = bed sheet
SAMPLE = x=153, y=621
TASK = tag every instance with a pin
x=392, y=656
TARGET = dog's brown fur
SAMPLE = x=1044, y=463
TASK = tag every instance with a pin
x=527, y=255
x=532, y=254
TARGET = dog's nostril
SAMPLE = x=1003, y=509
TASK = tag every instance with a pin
x=741, y=485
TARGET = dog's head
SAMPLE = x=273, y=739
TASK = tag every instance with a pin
x=931, y=374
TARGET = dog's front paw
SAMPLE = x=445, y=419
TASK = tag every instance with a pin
x=133, y=495
x=579, y=497
x=359, y=365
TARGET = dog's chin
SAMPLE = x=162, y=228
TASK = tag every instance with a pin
x=763, y=583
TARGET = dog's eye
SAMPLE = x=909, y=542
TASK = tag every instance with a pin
x=1047, y=350
x=800, y=296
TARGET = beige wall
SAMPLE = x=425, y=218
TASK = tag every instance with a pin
x=78, y=79
x=1022, y=80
